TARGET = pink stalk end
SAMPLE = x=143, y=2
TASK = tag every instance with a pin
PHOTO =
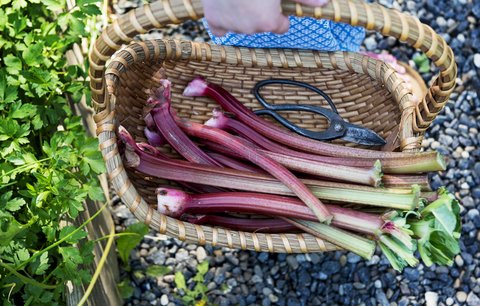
x=195, y=88
x=153, y=137
x=171, y=202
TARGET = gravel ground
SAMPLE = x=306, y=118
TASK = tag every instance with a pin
x=250, y=278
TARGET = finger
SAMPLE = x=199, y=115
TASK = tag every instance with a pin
x=217, y=31
x=313, y=2
x=281, y=25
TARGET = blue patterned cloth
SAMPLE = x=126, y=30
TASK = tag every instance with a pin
x=304, y=33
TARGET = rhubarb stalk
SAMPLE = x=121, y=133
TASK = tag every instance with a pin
x=175, y=203
x=266, y=163
x=163, y=119
x=184, y=171
x=199, y=87
x=244, y=224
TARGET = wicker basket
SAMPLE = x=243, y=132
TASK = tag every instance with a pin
x=365, y=91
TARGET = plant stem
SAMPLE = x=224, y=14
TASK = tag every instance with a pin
x=99, y=268
x=183, y=171
x=165, y=123
x=175, y=203
x=357, y=244
x=199, y=87
x=245, y=224
x=266, y=163
x=25, y=279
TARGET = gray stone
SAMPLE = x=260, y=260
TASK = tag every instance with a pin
x=403, y=302
x=258, y=271
x=267, y=291
x=256, y=279
x=378, y=284
x=315, y=258
x=449, y=301
x=169, y=278
x=370, y=43
x=358, y=285
x=476, y=60
x=232, y=259
x=182, y=255
x=201, y=254
x=461, y=296
x=373, y=261
x=157, y=258
x=292, y=262
x=431, y=298
x=211, y=286
x=273, y=298
x=472, y=213
x=441, y=21
x=468, y=202
x=459, y=260
x=473, y=299
x=353, y=258
x=381, y=297
x=149, y=296
x=164, y=300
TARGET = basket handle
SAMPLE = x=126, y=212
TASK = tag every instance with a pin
x=355, y=12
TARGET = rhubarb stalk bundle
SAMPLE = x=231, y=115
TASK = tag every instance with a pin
x=247, y=170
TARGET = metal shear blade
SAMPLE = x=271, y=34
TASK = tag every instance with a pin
x=338, y=128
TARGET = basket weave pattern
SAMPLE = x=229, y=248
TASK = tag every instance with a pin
x=365, y=91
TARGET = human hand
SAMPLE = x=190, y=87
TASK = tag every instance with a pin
x=249, y=16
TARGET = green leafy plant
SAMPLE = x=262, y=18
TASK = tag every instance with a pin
x=48, y=166
x=198, y=294
x=422, y=62
x=126, y=243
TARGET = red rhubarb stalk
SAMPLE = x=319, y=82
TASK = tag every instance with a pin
x=199, y=87
x=153, y=137
x=175, y=203
x=266, y=163
x=183, y=171
x=233, y=163
x=220, y=121
x=160, y=112
x=244, y=224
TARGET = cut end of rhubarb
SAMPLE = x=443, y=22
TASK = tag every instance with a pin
x=442, y=161
x=328, y=219
x=416, y=191
x=126, y=138
x=195, y=88
x=171, y=202
x=218, y=120
x=377, y=174
x=161, y=94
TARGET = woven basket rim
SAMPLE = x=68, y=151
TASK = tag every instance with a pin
x=141, y=52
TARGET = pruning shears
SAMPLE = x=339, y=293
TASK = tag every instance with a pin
x=338, y=127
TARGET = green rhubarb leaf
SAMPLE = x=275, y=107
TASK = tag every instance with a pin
x=438, y=230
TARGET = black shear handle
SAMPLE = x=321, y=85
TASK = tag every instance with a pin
x=333, y=131
x=259, y=85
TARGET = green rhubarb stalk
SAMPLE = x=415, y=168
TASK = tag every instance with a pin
x=371, y=196
x=359, y=245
